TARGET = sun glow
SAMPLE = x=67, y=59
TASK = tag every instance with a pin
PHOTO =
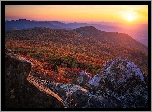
x=130, y=17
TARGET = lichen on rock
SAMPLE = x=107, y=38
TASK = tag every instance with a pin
x=121, y=78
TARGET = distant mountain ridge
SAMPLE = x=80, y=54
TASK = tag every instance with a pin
x=24, y=24
x=140, y=32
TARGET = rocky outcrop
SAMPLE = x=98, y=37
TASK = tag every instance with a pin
x=24, y=90
x=120, y=84
x=74, y=96
x=19, y=92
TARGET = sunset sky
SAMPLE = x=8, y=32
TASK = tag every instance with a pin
x=79, y=13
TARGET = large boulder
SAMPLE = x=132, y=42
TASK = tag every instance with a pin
x=122, y=83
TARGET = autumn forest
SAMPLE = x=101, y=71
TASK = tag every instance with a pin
x=86, y=48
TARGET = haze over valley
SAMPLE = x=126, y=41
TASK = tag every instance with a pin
x=137, y=31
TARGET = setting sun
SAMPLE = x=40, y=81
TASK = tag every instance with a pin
x=130, y=17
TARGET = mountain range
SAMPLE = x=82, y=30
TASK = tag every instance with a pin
x=138, y=31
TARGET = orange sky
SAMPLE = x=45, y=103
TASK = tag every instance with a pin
x=79, y=13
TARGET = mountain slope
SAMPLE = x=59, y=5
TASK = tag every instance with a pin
x=72, y=50
x=115, y=38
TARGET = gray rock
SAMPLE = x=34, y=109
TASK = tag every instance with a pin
x=123, y=84
x=82, y=79
x=95, y=80
x=74, y=96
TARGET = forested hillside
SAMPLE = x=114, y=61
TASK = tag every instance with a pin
x=116, y=38
x=84, y=48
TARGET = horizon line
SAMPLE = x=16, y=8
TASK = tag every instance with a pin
x=94, y=22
